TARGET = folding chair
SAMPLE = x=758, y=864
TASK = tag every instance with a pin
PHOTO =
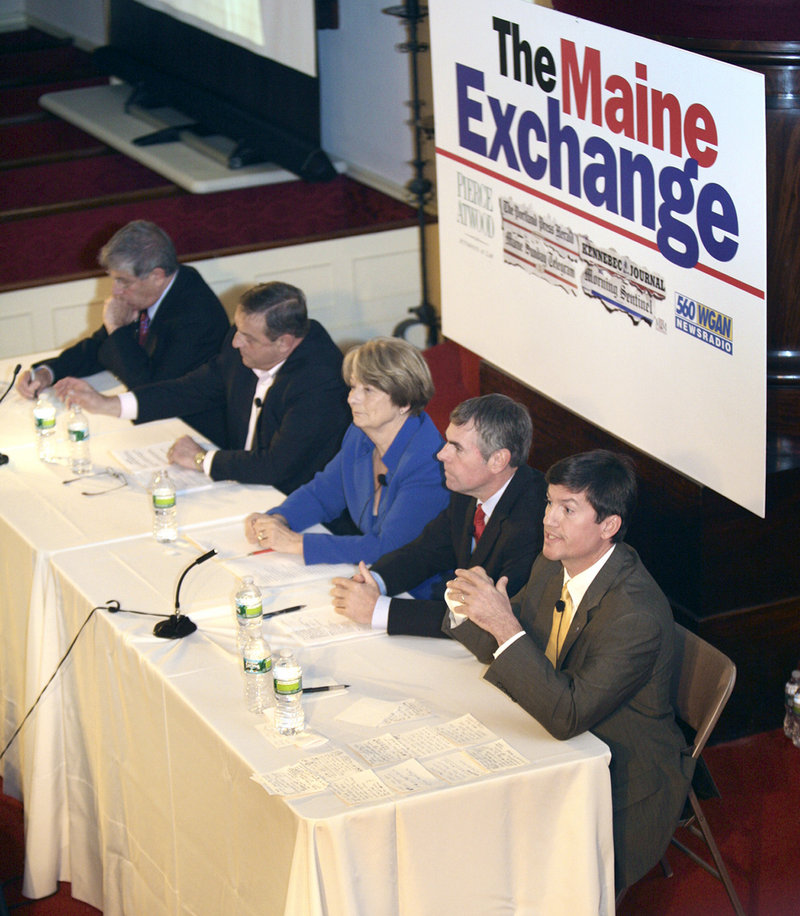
x=702, y=681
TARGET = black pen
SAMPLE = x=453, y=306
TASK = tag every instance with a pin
x=325, y=687
x=284, y=610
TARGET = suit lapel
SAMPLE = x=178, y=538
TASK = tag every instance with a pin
x=464, y=551
x=494, y=526
x=543, y=621
x=246, y=385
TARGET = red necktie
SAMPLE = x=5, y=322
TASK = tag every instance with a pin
x=478, y=523
x=144, y=324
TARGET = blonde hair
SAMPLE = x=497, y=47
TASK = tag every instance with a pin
x=393, y=366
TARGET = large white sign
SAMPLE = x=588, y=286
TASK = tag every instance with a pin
x=602, y=225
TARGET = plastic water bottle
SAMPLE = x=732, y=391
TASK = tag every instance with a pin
x=78, y=429
x=247, y=605
x=288, y=677
x=791, y=689
x=165, y=513
x=257, y=667
x=44, y=417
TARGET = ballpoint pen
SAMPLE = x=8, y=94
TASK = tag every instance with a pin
x=254, y=553
x=284, y=610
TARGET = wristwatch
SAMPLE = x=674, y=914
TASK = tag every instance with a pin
x=198, y=459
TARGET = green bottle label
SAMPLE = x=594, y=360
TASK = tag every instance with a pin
x=258, y=665
x=286, y=688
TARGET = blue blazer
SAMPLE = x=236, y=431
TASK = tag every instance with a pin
x=414, y=494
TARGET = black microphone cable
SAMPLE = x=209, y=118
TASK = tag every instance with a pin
x=11, y=383
x=183, y=624
x=113, y=607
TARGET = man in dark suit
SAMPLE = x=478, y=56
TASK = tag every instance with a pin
x=273, y=399
x=587, y=645
x=484, y=461
x=161, y=320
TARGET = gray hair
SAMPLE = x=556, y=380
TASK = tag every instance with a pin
x=500, y=423
x=394, y=366
x=139, y=247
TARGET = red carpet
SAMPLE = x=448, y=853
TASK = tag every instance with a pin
x=757, y=827
x=43, y=141
x=82, y=181
x=23, y=102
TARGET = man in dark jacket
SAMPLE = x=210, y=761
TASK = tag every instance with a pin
x=161, y=321
x=273, y=400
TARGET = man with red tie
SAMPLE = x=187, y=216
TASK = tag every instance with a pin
x=493, y=520
x=161, y=320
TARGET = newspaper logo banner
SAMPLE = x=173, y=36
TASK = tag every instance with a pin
x=703, y=323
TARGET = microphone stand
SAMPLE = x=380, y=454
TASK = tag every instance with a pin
x=4, y=458
x=177, y=625
x=11, y=383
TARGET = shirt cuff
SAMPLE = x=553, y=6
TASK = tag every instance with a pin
x=500, y=649
x=456, y=618
x=128, y=406
x=380, y=615
x=36, y=368
x=209, y=460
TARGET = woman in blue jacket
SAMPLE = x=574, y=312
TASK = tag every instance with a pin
x=386, y=475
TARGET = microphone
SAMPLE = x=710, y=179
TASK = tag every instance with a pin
x=259, y=403
x=177, y=625
x=560, y=606
x=11, y=383
x=382, y=480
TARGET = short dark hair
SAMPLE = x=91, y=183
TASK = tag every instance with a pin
x=500, y=423
x=394, y=366
x=283, y=307
x=139, y=247
x=607, y=478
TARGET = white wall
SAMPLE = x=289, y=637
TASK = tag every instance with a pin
x=364, y=85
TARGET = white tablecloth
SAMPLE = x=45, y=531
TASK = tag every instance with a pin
x=135, y=768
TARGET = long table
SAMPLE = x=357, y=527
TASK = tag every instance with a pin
x=135, y=770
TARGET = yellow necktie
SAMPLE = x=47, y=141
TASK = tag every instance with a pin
x=561, y=621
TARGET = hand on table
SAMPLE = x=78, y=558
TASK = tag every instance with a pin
x=271, y=531
x=77, y=391
x=184, y=452
x=355, y=598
